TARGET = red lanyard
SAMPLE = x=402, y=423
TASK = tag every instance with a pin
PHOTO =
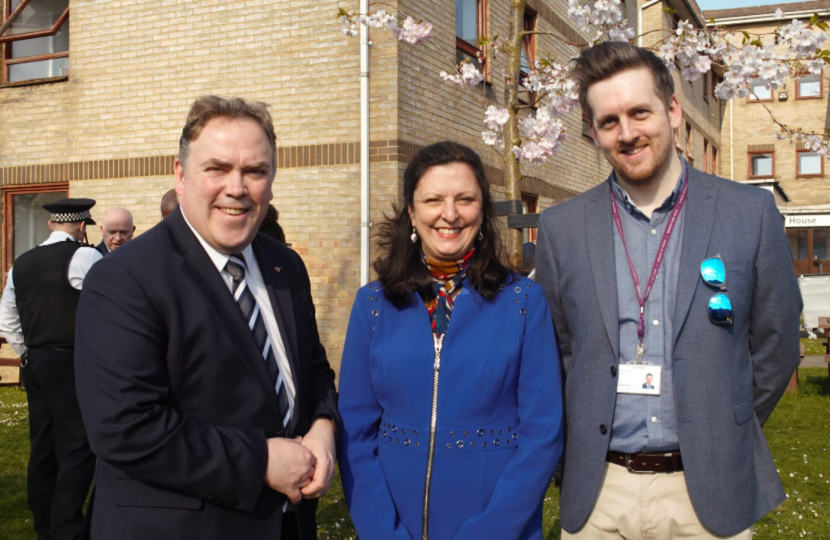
x=658, y=259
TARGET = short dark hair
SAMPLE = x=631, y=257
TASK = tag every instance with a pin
x=606, y=59
x=271, y=226
x=206, y=108
x=400, y=269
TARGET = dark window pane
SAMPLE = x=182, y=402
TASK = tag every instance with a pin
x=37, y=15
x=761, y=164
x=820, y=243
x=809, y=86
x=809, y=163
x=42, y=45
x=30, y=219
x=466, y=21
x=39, y=70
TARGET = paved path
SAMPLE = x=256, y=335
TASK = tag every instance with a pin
x=813, y=361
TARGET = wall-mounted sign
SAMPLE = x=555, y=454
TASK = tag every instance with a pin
x=807, y=220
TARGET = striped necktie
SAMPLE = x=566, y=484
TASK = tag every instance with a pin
x=250, y=310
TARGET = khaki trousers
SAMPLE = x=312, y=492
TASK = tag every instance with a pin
x=644, y=507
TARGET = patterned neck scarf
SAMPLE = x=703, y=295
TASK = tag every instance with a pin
x=448, y=278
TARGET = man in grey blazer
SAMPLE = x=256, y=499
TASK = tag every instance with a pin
x=634, y=273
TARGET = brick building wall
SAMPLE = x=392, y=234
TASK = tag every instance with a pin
x=110, y=130
x=749, y=125
x=702, y=112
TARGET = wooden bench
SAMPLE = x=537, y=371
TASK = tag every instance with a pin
x=824, y=324
x=9, y=369
x=792, y=386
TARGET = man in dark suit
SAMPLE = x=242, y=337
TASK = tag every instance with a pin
x=622, y=267
x=117, y=230
x=203, y=384
x=649, y=379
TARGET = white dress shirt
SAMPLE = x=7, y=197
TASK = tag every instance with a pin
x=79, y=265
x=253, y=278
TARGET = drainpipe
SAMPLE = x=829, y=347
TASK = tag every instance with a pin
x=731, y=145
x=365, y=225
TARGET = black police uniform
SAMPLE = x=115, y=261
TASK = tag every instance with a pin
x=61, y=464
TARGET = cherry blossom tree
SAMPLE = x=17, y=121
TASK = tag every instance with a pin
x=533, y=132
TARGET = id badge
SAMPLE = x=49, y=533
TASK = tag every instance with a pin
x=639, y=379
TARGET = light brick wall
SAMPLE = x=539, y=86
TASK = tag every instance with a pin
x=578, y=167
x=703, y=112
x=135, y=69
x=753, y=125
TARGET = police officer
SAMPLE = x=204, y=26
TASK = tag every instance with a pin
x=37, y=318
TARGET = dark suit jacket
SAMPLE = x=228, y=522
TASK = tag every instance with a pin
x=727, y=379
x=102, y=248
x=176, y=397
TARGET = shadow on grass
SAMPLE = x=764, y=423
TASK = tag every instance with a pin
x=815, y=386
x=554, y=532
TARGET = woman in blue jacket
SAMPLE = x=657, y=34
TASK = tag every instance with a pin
x=450, y=388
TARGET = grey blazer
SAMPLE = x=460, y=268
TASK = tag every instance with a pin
x=727, y=380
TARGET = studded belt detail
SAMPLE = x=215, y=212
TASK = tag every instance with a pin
x=481, y=438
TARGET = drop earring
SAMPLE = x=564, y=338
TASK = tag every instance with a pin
x=414, y=236
x=480, y=234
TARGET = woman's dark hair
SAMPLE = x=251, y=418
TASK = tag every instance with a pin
x=400, y=269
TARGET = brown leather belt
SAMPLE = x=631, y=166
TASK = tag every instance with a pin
x=663, y=462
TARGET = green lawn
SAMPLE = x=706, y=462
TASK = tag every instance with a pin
x=813, y=346
x=798, y=433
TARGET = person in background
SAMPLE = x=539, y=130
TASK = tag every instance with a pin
x=449, y=386
x=270, y=225
x=37, y=318
x=169, y=202
x=116, y=230
x=688, y=274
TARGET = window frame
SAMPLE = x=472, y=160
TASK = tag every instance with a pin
x=752, y=98
x=530, y=22
x=8, y=214
x=714, y=167
x=820, y=95
x=689, y=151
x=798, y=172
x=482, y=9
x=705, y=155
x=749, y=155
x=530, y=205
x=715, y=81
x=586, y=128
x=5, y=57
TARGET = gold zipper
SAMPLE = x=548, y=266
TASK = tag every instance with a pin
x=433, y=423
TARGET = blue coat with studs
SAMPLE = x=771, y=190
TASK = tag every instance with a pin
x=499, y=415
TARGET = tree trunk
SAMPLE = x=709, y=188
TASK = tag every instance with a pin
x=512, y=169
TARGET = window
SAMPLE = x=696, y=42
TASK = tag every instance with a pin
x=36, y=35
x=528, y=54
x=689, y=147
x=809, y=163
x=26, y=220
x=530, y=205
x=705, y=155
x=470, y=25
x=760, y=92
x=586, y=128
x=761, y=164
x=808, y=87
x=714, y=168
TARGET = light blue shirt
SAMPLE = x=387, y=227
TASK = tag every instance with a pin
x=647, y=423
